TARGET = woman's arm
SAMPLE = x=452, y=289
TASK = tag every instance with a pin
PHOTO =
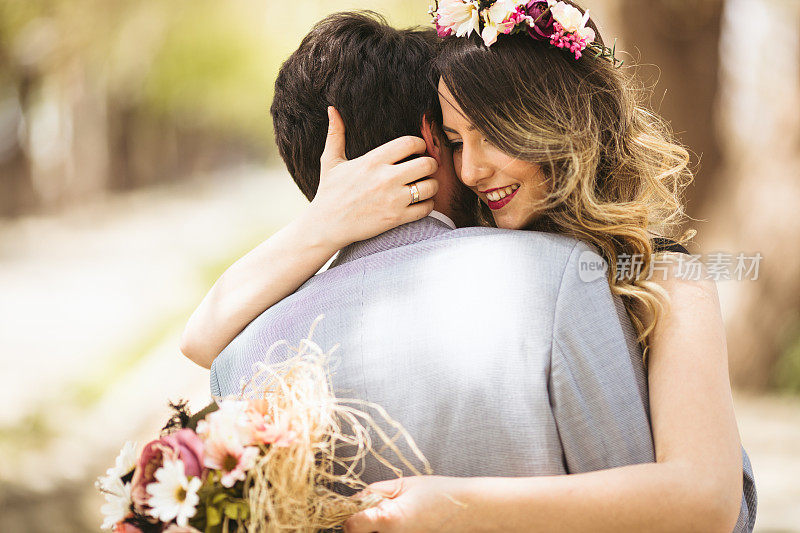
x=355, y=200
x=695, y=485
x=261, y=278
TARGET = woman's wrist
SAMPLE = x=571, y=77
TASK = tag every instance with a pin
x=479, y=498
x=318, y=232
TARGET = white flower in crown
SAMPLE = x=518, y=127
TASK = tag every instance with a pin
x=572, y=20
x=461, y=17
x=502, y=17
x=502, y=10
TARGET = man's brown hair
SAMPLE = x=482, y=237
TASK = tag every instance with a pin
x=375, y=75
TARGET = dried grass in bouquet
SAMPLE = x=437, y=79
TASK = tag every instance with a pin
x=281, y=456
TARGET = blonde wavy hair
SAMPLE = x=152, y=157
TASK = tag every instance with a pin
x=615, y=174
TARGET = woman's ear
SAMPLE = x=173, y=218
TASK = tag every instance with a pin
x=433, y=141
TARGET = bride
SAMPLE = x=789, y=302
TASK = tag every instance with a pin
x=550, y=136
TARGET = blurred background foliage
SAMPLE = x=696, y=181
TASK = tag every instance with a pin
x=98, y=96
x=137, y=163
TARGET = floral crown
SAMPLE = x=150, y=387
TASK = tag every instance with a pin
x=559, y=23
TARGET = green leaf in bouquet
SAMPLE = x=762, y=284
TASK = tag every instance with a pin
x=213, y=517
x=236, y=509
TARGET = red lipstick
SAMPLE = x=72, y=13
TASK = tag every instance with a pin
x=494, y=206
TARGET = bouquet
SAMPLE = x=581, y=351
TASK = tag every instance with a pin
x=278, y=457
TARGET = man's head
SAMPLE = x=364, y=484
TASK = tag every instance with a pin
x=376, y=77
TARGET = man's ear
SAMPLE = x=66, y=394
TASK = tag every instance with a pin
x=432, y=136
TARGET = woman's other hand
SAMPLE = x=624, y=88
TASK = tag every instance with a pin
x=366, y=196
x=420, y=504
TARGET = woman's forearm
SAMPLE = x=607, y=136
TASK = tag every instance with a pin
x=645, y=497
x=260, y=279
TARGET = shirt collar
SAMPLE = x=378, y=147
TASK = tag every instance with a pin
x=444, y=218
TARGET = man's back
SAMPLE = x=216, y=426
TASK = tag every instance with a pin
x=484, y=344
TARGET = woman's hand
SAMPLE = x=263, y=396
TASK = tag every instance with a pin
x=356, y=200
x=420, y=504
x=364, y=197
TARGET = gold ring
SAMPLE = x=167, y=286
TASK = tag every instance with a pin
x=414, y=193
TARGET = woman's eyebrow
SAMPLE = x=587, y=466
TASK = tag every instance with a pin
x=448, y=129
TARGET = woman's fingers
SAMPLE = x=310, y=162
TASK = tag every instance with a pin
x=367, y=521
x=427, y=189
x=417, y=211
x=414, y=169
x=396, y=150
x=334, y=152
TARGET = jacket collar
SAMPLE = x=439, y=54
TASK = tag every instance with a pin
x=404, y=235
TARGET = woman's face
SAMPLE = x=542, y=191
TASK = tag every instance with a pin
x=509, y=186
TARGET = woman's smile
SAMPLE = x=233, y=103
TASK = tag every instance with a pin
x=514, y=189
x=497, y=198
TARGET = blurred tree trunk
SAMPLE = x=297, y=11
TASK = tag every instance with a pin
x=757, y=201
x=680, y=37
x=730, y=109
x=738, y=112
x=18, y=194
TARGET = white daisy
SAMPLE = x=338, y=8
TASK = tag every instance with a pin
x=126, y=460
x=230, y=419
x=125, y=463
x=173, y=496
x=118, y=503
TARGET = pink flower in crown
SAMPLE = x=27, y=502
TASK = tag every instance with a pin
x=517, y=17
x=541, y=25
x=571, y=41
x=183, y=445
x=442, y=31
x=502, y=17
x=124, y=527
x=497, y=19
x=175, y=528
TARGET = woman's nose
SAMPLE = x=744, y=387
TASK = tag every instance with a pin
x=474, y=167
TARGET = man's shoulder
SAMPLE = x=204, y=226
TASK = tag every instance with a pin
x=491, y=251
x=520, y=237
x=521, y=247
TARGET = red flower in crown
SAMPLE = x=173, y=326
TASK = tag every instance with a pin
x=542, y=27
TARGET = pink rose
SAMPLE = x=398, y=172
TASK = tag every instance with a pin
x=183, y=445
x=124, y=527
x=175, y=528
x=542, y=29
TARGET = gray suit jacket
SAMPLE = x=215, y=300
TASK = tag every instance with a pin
x=485, y=344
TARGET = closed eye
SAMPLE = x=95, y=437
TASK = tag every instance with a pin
x=455, y=145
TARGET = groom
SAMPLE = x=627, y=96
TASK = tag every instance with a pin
x=485, y=344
